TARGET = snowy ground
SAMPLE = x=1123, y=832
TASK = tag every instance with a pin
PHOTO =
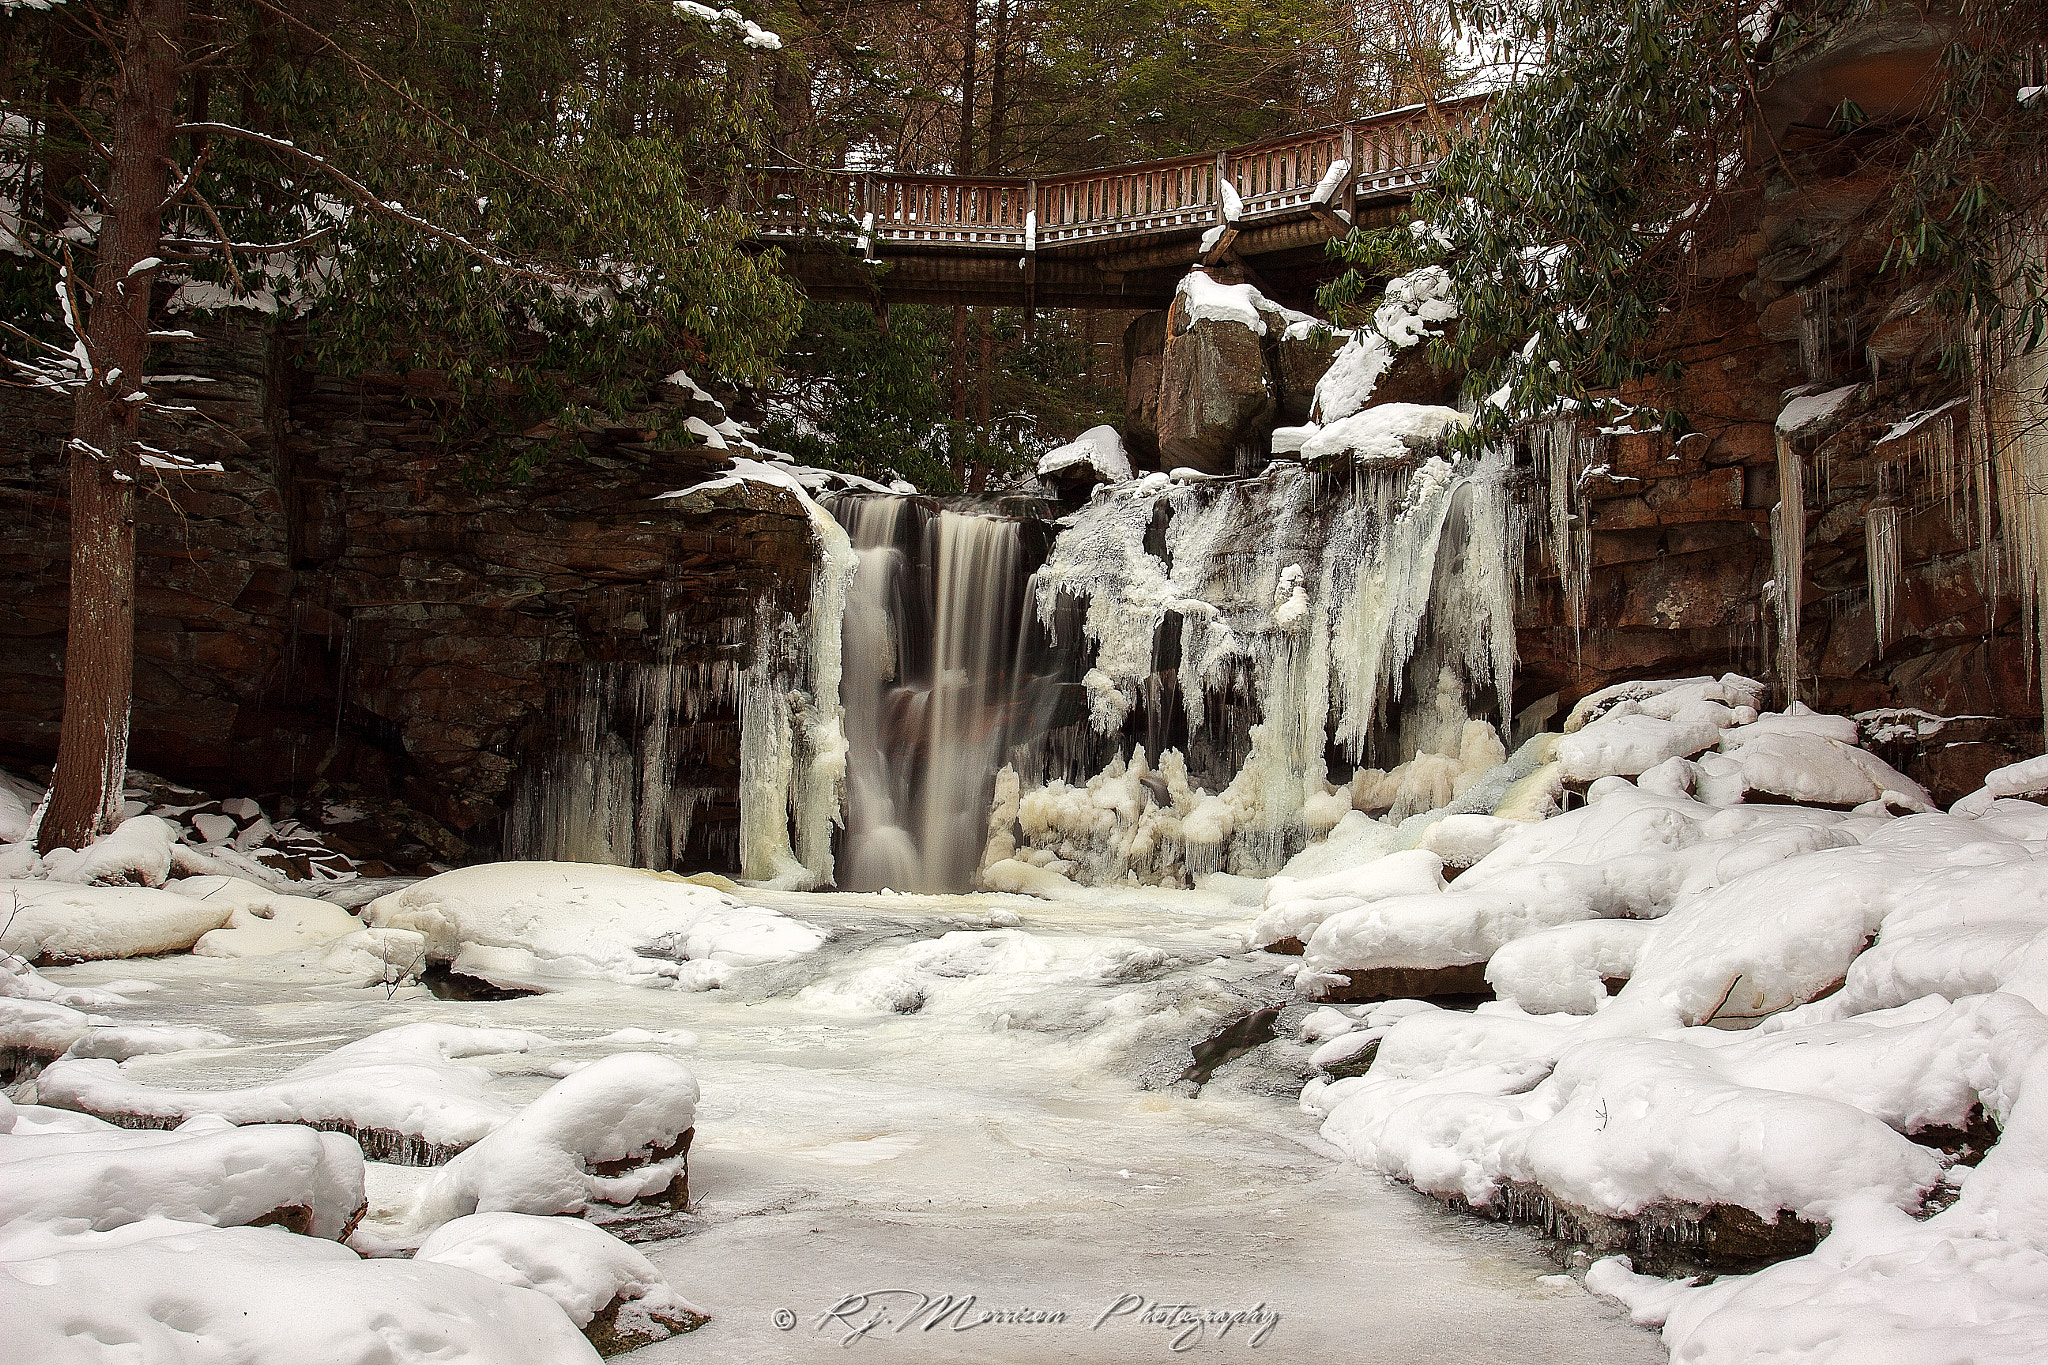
x=1020, y=1137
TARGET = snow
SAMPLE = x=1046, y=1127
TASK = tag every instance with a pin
x=135, y=853
x=581, y=1267
x=262, y=922
x=1098, y=451
x=167, y=1291
x=1294, y=909
x=65, y=923
x=1389, y=431
x=205, y=1171
x=536, y=923
x=627, y=1108
x=1202, y=299
x=405, y=1081
x=1810, y=411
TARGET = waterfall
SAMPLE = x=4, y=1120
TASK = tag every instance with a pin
x=937, y=686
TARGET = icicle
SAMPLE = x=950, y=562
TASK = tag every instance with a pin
x=767, y=757
x=1816, y=329
x=1881, y=566
x=2009, y=427
x=1788, y=544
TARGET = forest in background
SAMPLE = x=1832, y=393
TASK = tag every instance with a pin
x=604, y=156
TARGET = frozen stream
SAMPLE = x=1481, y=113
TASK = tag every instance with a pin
x=1021, y=1136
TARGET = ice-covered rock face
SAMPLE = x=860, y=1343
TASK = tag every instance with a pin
x=1270, y=614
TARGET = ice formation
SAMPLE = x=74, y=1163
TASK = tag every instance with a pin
x=1322, y=602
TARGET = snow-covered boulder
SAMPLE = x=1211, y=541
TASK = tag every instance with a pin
x=1565, y=969
x=205, y=1171
x=1293, y=910
x=533, y=923
x=615, y=1133
x=173, y=1292
x=34, y=1033
x=137, y=852
x=401, y=1093
x=1384, y=432
x=263, y=922
x=611, y=1292
x=58, y=922
x=1097, y=455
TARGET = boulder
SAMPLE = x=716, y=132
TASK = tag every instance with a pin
x=1144, y=350
x=1300, y=358
x=1213, y=394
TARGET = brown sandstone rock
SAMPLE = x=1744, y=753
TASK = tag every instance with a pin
x=1213, y=394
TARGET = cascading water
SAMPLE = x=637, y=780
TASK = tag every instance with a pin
x=938, y=686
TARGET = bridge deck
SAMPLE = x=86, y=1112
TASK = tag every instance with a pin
x=1115, y=237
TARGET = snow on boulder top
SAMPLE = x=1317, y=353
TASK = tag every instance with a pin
x=58, y=922
x=1204, y=300
x=1390, y=431
x=206, y=1171
x=1663, y=697
x=1808, y=411
x=1096, y=455
x=393, y=1091
x=179, y=1292
x=137, y=852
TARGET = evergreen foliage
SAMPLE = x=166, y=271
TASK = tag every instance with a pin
x=875, y=397
x=1567, y=225
x=555, y=239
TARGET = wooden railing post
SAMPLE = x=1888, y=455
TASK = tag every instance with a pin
x=867, y=217
x=1349, y=193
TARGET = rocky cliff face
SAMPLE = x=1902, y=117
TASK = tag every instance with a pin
x=338, y=613
x=1652, y=554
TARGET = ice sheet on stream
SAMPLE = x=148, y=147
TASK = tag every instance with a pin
x=990, y=1143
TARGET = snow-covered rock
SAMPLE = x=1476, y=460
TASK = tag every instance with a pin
x=168, y=1291
x=611, y=1292
x=521, y=923
x=205, y=1171
x=402, y=1093
x=614, y=1133
x=137, y=852
x=59, y=922
x=1097, y=455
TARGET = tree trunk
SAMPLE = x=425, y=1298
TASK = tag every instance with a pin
x=99, y=644
x=998, y=89
x=963, y=164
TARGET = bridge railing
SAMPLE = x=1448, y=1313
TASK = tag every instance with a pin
x=1155, y=196
x=1388, y=154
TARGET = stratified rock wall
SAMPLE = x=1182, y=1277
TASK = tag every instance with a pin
x=338, y=608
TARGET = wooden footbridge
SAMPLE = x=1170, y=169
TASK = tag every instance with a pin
x=1115, y=237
